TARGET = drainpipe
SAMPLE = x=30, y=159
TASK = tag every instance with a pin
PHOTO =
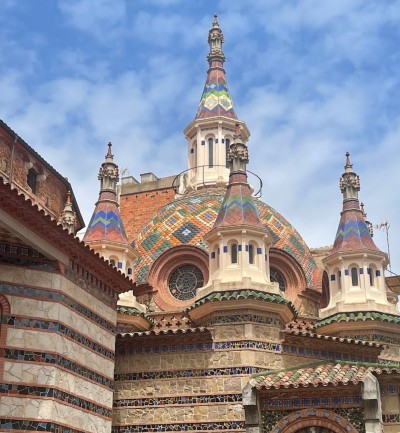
x=10, y=176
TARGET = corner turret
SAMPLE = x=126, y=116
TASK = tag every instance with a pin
x=106, y=232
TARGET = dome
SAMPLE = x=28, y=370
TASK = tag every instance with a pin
x=186, y=220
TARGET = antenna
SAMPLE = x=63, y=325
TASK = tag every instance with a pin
x=385, y=227
x=124, y=172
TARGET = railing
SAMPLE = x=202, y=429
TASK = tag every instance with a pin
x=176, y=182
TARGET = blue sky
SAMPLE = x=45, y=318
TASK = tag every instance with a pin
x=311, y=78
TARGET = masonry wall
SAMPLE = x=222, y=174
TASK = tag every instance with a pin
x=168, y=382
x=15, y=162
x=57, y=346
x=137, y=208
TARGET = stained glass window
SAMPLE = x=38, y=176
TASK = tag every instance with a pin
x=184, y=281
x=277, y=277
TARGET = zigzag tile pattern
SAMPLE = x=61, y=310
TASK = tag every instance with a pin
x=353, y=234
x=238, y=207
x=173, y=225
x=106, y=224
x=215, y=99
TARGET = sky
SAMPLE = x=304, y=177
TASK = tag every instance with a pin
x=312, y=79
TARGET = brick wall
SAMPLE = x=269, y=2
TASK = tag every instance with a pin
x=136, y=209
x=50, y=192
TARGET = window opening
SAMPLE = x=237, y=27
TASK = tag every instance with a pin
x=210, y=153
x=354, y=276
x=184, y=281
x=234, y=253
x=251, y=254
x=277, y=277
x=32, y=179
x=227, y=148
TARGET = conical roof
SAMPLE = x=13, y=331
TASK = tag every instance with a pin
x=238, y=207
x=215, y=99
x=106, y=223
x=353, y=233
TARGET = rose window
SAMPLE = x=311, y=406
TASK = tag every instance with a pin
x=277, y=277
x=184, y=281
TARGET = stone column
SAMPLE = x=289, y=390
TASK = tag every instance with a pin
x=372, y=404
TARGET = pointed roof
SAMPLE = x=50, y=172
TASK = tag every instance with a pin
x=238, y=207
x=353, y=233
x=216, y=100
x=106, y=223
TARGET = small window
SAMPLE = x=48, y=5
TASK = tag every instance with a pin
x=112, y=262
x=371, y=277
x=251, y=254
x=339, y=281
x=32, y=179
x=234, y=253
x=227, y=148
x=210, y=153
x=354, y=276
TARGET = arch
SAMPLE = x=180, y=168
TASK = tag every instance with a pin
x=233, y=252
x=165, y=264
x=301, y=421
x=113, y=260
x=371, y=274
x=291, y=271
x=355, y=281
x=325, y=298
x=210, y=143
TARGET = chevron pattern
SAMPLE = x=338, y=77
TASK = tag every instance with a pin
x=106, y=224
x=216, y=100
x=353, y=233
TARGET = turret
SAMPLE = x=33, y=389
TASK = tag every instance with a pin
x=355, y=267
x=106, y=232
x=68, y=217
x=239, y=254
x=210, y=134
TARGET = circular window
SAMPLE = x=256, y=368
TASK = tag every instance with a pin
x=277, y=277
x=184, y=281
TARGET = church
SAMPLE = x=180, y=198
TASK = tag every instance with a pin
x=189, y=304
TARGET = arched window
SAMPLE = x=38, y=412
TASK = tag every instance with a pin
x=339, y=280
x=277, y=277
x=354, y=276
x=32, y=179
x=112, y=262
x=227, y=148
x=371, y=272
x=234, y=253
x=251, y=254
x=210, y=153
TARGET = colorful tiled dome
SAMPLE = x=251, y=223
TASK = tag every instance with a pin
x=186, y=220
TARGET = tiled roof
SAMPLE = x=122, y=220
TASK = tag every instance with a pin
x=130, y=311
x=315, y=375
x=238, y=207
x=353, y=233
x=186, y=220
x=106, y=223
x=356, y=317
x=30, y=215
x=242, y=294
x=215, y=99
x=164, y=332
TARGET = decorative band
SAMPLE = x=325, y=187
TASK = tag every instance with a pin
x=209, y=372
x=51, y=295
x=187, y=426
x=57, y=360
x=53, y=326
x=48, y=392
x=32, y=425
x=192, y=399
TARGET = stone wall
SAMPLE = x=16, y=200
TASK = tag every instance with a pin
x=58, y=354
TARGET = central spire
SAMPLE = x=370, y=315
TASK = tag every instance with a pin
x=212, y=131
x=216, y=100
